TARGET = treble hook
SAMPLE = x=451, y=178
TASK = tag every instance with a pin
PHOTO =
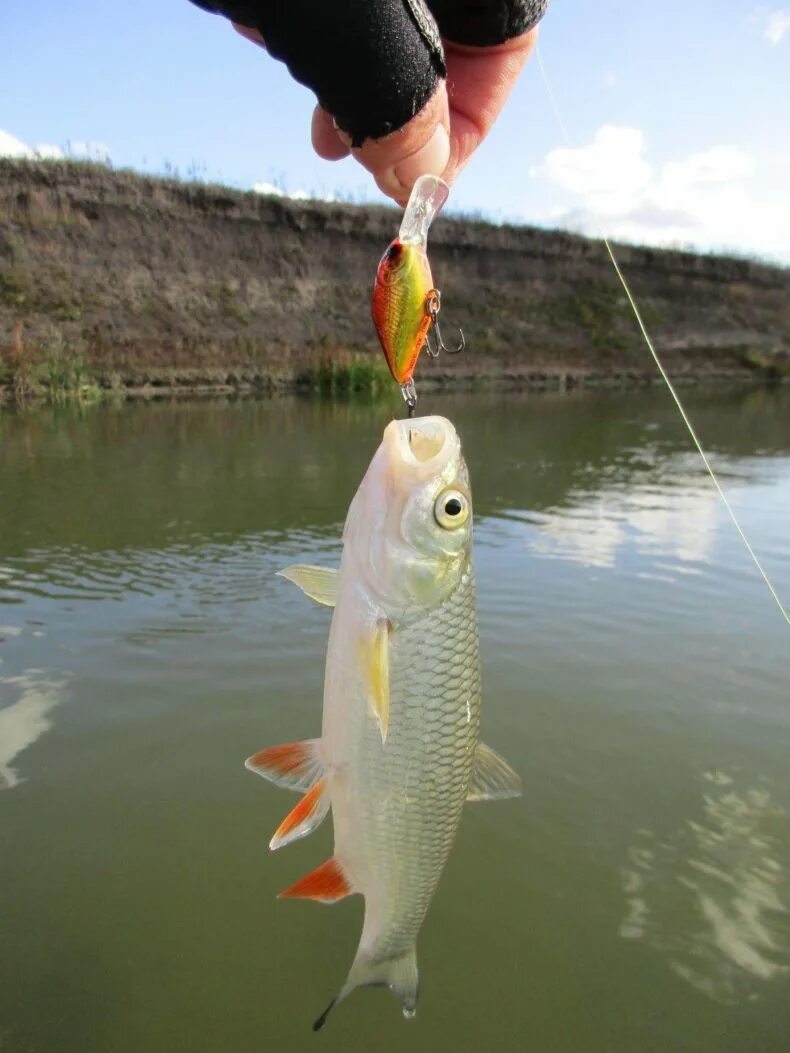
x=433, y=303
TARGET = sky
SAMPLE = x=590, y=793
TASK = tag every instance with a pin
x=677, y=115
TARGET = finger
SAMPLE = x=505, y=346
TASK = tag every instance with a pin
x=421, y=147
x=326, y=140
x=251, y=34
x=479, y=81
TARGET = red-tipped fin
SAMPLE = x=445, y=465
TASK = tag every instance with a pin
x=326, y=883
x=293, y=765
x=304, y=818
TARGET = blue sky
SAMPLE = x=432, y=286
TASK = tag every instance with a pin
x=678, y=114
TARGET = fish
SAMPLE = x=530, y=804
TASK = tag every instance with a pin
x=399, y=752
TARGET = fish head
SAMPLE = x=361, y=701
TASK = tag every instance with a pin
x=409, y=529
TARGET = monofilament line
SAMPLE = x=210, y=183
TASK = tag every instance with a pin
x=657, y=360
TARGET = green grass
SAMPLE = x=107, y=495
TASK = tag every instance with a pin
x=771, y=368
x=48, y=368
x=340, y=374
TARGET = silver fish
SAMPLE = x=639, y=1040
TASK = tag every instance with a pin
x=399, y=752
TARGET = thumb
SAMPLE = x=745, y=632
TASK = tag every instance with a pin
x=420, y=147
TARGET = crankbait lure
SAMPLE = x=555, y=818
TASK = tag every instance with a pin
x=405, y=303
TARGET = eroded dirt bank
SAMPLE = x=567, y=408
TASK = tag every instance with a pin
x=147, y=281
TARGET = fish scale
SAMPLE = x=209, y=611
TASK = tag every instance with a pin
x=416, y=783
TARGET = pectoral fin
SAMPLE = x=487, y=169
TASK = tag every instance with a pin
x=375, y=658
x=304, y=818
x=492, y=778
x=319, y=583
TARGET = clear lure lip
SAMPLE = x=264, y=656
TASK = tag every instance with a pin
x=427, y=197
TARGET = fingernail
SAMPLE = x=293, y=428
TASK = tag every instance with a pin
x=431, y=159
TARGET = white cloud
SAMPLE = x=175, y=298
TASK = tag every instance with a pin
x=609, y=78
x=48, y=152
x=777, y=26
x=607, y=172
x=706, y=199
x=10, y=146
x=89, y=149
x=268, y=188
x=294, y=195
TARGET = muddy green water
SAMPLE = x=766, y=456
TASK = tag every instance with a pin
x=636, y=673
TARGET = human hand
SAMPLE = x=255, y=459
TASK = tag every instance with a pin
x=375, y=67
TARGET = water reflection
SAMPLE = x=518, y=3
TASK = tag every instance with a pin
x=679, y=524
x=25, y=719
x=714, y=897
x=126, y=499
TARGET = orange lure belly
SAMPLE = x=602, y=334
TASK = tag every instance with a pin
x=403, y=282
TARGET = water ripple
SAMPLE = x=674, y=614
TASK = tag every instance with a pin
x=213, y=571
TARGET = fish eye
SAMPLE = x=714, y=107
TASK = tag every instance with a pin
x=451, y=509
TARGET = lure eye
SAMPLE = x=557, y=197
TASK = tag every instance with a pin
x=451, y=509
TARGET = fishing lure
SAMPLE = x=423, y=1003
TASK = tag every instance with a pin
x=405, y=303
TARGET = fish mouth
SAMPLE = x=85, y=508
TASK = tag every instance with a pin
x=425, y=443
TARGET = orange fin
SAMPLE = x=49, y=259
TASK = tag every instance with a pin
x=294, y=765
x=304, y=818
x=326, y=883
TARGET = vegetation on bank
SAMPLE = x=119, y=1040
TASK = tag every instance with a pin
x=54, y=370
x=51, y=368
x=339, y=374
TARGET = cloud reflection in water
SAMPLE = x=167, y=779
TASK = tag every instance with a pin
x=25, y=720
x=715, y=897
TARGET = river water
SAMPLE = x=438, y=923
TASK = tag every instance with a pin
x=635, y=673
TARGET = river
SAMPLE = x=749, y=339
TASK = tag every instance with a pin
x=635, y=672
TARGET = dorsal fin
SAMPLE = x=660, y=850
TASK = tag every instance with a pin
x=292, y=765
x=326, y=883
x=319, y=583
x=492, y=777
x=304, y=818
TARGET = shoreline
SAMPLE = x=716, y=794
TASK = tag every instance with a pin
x=164, y=387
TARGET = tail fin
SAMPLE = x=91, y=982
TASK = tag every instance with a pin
x=399, y=974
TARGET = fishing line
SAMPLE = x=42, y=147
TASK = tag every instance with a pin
x=657, y=360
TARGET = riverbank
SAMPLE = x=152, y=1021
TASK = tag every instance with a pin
x=117, y=282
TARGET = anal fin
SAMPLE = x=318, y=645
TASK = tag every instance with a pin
x=304, y=818
x=492, y=777
x=326, y=884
